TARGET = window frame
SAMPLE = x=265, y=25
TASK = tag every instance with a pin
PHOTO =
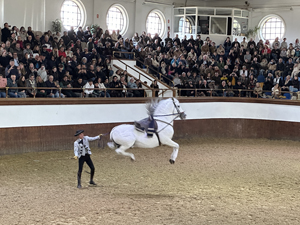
x=184, y=27
x=263, y=22
x=83, y=13
x=163, y=22
x=125, y=17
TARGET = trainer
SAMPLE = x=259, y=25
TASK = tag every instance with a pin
x=82, y=152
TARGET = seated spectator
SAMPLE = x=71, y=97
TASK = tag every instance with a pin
x=190, y=92
x=291, y=51
x=13, y=92
x=125, y=92
x=276, y=91
x=287, y=83
x=30, y=82
x=40, y=93
x=115, y=84
x=141, y=92
x=240, y=89
x=257, y=91
x=89, y=89
x=3, y=83
x=11, y=69
x=294, y=86
x=42, y=73
x=78, y=84
x=22, y=83
x=223, y=89
x=100, y=88
x=52, y=93
x=66, y=84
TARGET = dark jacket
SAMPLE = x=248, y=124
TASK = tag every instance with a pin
x=49, y=84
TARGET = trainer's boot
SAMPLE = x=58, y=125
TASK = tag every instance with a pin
x=92, y=176
x=79, y=180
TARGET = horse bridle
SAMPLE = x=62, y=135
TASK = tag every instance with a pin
x=178, y=114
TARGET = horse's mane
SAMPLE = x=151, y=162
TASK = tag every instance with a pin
x=152, y=105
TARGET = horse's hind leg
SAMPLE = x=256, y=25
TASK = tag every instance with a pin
x=122, y=151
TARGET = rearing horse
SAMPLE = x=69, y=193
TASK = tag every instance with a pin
x=164, y=112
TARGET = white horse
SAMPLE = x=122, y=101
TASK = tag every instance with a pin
x=164, y=112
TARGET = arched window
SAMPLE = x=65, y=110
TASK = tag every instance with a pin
x=72, y=14
x=272, y=26
x=116, y=19
x=155, y=23
x=187, y=26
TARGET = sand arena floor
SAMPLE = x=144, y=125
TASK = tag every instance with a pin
x=212, y=182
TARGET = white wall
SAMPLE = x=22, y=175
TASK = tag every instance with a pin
x=40, y=13
x=290, y=17
x=54, y=115
x=137, y=13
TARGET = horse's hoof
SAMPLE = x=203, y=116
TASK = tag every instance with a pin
x=172, y=161
x=132, y=158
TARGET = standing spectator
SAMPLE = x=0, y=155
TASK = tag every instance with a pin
x=5, y=32
x=30, y=33
x=154, y=85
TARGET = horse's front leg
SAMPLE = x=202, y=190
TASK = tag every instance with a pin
x=175, y=147
x=174, y=155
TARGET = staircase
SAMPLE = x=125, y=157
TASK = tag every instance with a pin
x=146, y=78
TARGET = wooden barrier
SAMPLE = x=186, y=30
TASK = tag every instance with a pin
x=44, y=138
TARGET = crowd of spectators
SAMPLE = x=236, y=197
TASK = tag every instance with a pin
x=81, y=59
x=78, y=62
x=245, y=69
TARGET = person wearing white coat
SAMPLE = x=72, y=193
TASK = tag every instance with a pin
x=82, y=152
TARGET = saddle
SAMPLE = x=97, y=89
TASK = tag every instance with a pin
x=148, y=125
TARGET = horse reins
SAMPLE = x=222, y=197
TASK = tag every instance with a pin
x=173, y=114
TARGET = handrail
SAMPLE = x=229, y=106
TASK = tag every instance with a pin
x=121, y=89
x=196, y=90
x=119, y=68
x=160, y=74
x=146, y=85
x=137, y=71
x=120, y=52
x=165, y=84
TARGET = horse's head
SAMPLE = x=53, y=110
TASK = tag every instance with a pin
x=178, y=109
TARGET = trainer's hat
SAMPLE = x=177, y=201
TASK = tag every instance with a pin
x=78, y=132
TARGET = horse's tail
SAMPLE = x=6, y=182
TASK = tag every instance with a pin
x=112, y=144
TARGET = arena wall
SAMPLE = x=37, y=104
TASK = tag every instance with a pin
x=36, y=125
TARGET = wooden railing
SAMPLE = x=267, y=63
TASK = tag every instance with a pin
x=195, y=92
